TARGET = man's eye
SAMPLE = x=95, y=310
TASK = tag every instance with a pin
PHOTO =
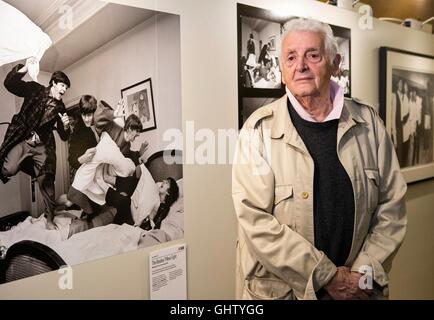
x=291, y=58
x=313, y=55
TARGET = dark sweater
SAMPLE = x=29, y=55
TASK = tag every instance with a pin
x=333, y=193
x=82, y=138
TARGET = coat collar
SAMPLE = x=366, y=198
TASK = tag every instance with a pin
x=282, y=125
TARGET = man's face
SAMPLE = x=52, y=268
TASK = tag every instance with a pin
x=131, y=135
x=399, y=85
x=58, y=90
x=87, y=119
x=164, y=187
x=305, y=69
x=405, y=87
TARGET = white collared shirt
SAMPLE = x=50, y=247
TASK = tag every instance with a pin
x=336, y=95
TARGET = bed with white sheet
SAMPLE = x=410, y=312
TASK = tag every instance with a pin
x=31, y=234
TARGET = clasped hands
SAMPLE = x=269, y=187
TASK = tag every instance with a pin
x=345, y=286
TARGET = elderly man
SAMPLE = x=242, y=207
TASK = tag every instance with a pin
x=316, y=185
x=30, y=134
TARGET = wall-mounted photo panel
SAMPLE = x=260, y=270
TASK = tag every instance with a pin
x=259, y=73
x=102, y=183
x=407, y=107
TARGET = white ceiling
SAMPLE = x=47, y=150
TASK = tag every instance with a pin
x=31, y=8
x=109, y=22
x=256, y=24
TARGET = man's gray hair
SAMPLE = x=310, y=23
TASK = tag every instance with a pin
x=306, y=24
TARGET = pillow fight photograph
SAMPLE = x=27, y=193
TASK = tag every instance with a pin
x=119, y=198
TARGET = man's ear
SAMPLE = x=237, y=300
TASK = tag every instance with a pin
x=281, y=70
x=335, y=65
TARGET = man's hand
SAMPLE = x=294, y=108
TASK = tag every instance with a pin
x=143, y=148
x=30, y=61
x=142, y=151
x=120, y=108
x=355, y=282
x=87, y=156
x=345, y=285
x=65, y=120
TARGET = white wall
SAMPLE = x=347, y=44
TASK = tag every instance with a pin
x=150, y=50
x=209, y=96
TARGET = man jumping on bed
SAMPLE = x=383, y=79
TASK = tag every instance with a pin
x=30, y=134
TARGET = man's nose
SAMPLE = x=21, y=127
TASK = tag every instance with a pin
x=301, y=64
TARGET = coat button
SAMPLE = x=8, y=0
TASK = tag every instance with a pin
x=305, y=195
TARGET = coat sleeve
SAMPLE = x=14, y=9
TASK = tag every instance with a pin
x=15, y=85
x=133, y=155
x=281, y=250
x=388, y=225
x=103, y=117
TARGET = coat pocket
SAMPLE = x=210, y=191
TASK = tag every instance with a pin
x=283, y=204
x=267, y=289
x=372, y=188
x=282, y=192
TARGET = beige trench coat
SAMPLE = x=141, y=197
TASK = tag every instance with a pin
x=272, y=191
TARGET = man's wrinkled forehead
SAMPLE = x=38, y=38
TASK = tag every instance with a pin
x=306, y=40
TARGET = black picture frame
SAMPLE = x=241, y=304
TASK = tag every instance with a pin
x=251, y=98
x=140, y=100
x=407, y=77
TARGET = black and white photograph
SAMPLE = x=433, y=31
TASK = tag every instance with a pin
x=343, y=39
x=139, y=100
x=259, y=54
x=407, y=105
x=412, y=114
x=84, y=170
x=259, y=76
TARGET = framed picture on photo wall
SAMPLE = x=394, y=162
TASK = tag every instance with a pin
x=407, y=108
x=259, y=38
x=140, y=101
x=272, y=43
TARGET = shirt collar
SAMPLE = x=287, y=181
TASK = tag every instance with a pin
x=336, y=95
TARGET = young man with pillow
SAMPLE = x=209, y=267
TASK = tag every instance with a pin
x=135, y=200
x=114, y=148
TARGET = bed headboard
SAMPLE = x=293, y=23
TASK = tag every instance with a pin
x=28, y=258
x=164, y=164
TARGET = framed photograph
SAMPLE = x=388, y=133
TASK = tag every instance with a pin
x=343, y=38
x=135, y=39
x=407, y=108
x=259, y=76
x=272, y=43
x=140, y=101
